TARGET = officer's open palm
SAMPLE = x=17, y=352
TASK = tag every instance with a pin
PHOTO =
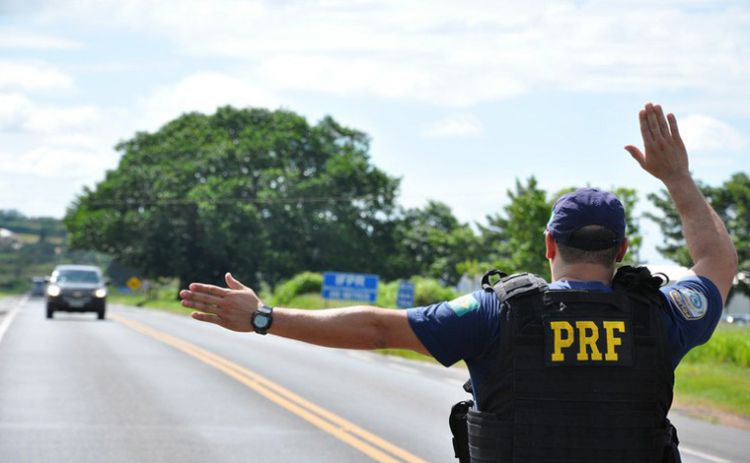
x=665, y=156
x=229, y=307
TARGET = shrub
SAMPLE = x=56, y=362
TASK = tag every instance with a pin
x=387, y=293
x=303, y=283
x=426, y=291
x=729, y=344
x=429, y=291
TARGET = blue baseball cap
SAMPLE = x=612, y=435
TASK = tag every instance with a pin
x=587, y=206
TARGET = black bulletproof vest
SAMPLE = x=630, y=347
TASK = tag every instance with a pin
x=579, y=376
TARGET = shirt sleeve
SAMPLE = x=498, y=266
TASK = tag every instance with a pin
x=695, y=307
x=457, y=329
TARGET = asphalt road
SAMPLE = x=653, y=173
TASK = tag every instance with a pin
x=146, y=386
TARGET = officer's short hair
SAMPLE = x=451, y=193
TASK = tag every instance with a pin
x=572, y=254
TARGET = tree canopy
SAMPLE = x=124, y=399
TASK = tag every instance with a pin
x=268, y=195
x=432, y=242
x=263, y=193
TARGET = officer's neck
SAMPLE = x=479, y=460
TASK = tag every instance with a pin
x=581, y=272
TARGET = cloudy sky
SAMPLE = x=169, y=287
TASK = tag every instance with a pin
x=460, y=98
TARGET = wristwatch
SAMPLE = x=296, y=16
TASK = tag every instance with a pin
x=262, y=319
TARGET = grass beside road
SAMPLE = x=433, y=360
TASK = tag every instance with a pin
x=716, y=375
x=723, y=387
x=5, y=292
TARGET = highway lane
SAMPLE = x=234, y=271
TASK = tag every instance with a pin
x=76, y=390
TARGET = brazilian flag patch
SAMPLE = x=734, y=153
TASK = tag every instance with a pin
x=464, y=305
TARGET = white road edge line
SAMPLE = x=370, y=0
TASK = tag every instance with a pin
x=8, y=319
x=705, y=456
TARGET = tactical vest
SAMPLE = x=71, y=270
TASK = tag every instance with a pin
x=579, y=376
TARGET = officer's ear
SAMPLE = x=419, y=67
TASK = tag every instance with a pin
x=551, y=246
x=622, y=250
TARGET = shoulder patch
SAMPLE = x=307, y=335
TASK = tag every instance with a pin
x=690, y=303
x=464, y=304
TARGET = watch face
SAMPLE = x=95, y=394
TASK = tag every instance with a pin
x=261, y=321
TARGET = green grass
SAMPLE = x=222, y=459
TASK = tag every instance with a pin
x=729, y=344
x=724, y=387
x=12, y=292
x=717, y=374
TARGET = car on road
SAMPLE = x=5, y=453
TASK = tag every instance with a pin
x=77, y=288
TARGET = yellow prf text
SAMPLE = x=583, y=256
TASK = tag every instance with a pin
x=584, y=336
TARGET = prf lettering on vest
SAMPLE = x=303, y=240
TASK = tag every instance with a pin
x=586, y=334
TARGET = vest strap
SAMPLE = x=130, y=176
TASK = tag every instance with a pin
x=517, y=285
x=487, y=284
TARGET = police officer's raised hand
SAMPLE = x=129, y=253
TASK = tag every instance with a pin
x=708, y=242
x=230, y=307
x=665, y=155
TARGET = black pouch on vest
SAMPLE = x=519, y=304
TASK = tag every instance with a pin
x=484, y=429
x=457, y=423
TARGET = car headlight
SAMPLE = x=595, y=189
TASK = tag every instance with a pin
x=53, y=290
x=101, y=292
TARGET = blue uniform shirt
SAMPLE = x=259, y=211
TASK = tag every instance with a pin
x=468, y=327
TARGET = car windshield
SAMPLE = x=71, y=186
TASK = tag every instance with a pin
x=77, y=276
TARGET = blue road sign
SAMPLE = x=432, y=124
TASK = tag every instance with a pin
x=405, y=296
x=350, y=286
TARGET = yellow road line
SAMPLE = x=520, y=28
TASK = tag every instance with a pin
x=346, y=431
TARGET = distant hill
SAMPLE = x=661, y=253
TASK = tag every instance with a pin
x=32, y=229
x=33, y=246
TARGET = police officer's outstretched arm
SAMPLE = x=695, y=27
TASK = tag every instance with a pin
x=665, y=157
x=357, y=327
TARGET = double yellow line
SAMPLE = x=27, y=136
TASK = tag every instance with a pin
x=371, y=445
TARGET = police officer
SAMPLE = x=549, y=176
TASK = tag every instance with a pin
x=580, y=369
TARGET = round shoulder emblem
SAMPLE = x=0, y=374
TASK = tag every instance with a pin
x=690, y=303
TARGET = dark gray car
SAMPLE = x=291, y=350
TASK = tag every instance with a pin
x=77, y=288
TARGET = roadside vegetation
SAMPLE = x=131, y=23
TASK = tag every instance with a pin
x=717, y=374
x=6, y=293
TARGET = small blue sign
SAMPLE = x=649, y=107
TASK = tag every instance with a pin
x=350, y=286
x=405, y=296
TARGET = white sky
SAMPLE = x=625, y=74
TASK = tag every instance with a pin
x=460, y=98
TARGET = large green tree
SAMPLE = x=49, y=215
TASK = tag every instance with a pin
x=264, y=194
x=432, y=242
